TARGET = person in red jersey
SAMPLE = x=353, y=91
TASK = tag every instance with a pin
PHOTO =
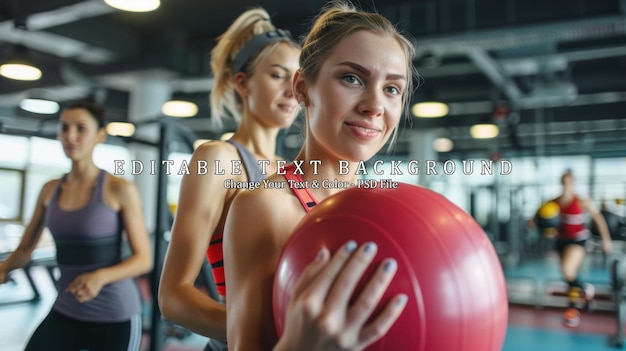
x=572, y=237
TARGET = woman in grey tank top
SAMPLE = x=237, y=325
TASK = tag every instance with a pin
x=253, y=64
x=98, y=304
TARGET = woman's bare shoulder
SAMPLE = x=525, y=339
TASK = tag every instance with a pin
x=216, y=150
x=119, y=185
x=47, y=190
x=266, y=199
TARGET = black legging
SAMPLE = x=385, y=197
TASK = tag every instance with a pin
x=58, y=332
x=561, y=244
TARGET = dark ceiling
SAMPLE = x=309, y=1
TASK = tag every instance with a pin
x=556, y=67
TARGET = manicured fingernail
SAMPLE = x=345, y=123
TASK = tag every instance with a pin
x=402, y=300
x=319, y=255
x=350, y=246
x=370, y=247
x=389, y=265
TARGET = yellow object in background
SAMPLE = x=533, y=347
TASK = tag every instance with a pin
x=549, y=210
x=548, y=218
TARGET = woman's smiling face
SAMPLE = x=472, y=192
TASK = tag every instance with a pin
x=355, y=102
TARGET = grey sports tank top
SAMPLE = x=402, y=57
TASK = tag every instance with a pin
x=87, y=239
x=249, y=162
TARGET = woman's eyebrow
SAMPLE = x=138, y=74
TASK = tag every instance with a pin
x=367, y=72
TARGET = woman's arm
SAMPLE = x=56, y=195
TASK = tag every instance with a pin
x=600, y=222
x=22, y=254
x=199, y=210
x=252, y=244
x=87, y=286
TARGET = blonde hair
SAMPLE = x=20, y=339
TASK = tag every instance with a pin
x=340, y=19
x=249, y=24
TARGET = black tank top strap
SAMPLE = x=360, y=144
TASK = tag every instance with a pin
x=307, y=199
x=249, y=162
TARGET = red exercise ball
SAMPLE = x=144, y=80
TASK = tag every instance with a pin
x=446, y=265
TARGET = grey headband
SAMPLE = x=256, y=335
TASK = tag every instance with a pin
x=255, y=45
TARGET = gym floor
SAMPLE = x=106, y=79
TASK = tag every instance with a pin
x=20, y=316
x=535, y=289
x=534, y=324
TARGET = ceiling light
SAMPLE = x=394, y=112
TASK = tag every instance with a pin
x=123, y=129
x=443, y=144
x=179, y=108
x=20, y=71
x=430, y=109
x=134, y=5
x=19, y=65
x=44, y=107
x=227, y=136
x=484, y=131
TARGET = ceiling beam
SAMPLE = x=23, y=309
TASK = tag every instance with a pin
x=512, y=65
x=495, y=73
x=498, y=39
x=61, y=46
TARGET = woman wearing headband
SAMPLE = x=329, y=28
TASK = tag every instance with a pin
x=253, y=64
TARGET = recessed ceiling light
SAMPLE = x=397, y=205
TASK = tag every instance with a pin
x=179, y=108
x=484, y=131
x=120, y=129
x=134, y=5
x=44, y=107
x=430, y=109
x=20, y=71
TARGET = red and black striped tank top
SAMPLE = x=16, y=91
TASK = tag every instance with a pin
x=214, y=252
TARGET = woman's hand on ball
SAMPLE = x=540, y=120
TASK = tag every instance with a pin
x=320, y=316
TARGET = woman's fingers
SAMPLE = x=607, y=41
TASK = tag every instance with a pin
x=378, y=327
x=321, y=301
x=311, y=271
x=371, y=294
x=80, y=289
x=76, y=284
x=349, y=276
x=325, y=288
x=323, y=281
